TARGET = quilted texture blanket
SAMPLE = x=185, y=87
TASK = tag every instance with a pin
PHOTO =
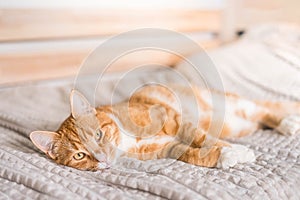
x=257, y=67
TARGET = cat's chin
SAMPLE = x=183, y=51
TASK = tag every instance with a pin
x=103, y=165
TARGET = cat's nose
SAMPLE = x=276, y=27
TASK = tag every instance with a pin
x=107, y=166
x=101, y=157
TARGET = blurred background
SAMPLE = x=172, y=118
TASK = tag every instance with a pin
x=49, y=39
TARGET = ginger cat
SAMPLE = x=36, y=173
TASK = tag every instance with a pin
x=94, y=138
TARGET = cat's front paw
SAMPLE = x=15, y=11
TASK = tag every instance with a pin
x=235, y=154
x=289, y=125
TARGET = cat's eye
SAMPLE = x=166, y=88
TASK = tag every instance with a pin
x=99, y=134
x=79, y=156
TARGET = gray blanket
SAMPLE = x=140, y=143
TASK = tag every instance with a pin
x=26, y=173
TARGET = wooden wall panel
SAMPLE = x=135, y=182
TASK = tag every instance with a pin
x=37, y=24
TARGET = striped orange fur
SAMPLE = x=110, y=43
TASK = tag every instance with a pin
x=151, y=126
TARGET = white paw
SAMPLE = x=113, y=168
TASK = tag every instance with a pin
x=235, y=154
x=290, y=125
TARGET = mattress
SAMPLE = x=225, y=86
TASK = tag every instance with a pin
x=257, y=66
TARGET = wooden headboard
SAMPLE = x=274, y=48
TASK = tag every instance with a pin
x=50, y=38
x=44, y=43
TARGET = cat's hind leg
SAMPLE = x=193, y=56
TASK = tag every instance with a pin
x=214, y=156
x=235, y=154
x=246, y=116
x=196, y=147
x=287, y=125
x=281, y=116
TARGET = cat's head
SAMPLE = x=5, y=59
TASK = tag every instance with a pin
x=79, y=140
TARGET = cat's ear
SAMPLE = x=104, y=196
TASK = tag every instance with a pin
x=44, y=141
x=80, y=105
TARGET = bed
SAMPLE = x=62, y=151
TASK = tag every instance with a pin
x=263, y=64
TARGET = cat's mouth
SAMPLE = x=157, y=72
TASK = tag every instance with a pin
x=103, y=162
x=103, y=165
